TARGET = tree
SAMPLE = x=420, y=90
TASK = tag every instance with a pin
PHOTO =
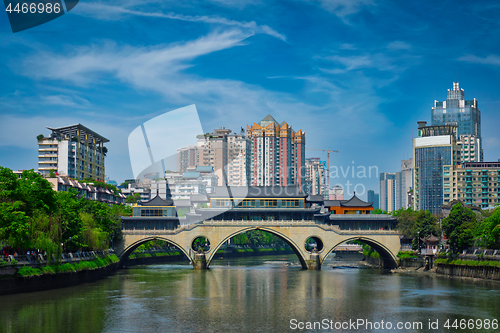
x=460, y=227
x=406, y=222
x=425, y=225
x=490, y=230
x=40, y=137
x=378, y=211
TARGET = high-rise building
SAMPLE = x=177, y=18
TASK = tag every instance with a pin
x=187, y=157
x=373, y=198
x=387, y=191
x=316, y=177
x=277, y=154
x=404, y=184
x=226, y=152
x=74, y=151
x=466, y=116
x=436, y=153
x=475, y=183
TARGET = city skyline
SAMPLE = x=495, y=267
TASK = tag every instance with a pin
x=351, y=80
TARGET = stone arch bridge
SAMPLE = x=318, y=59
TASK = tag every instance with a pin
x=295, y=234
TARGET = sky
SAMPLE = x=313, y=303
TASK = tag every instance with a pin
x=355, y=75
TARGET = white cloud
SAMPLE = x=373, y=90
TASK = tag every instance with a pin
x=75, y=102
x=489, y=60
x=398, y=45
x=107, y=12
x=344, y=8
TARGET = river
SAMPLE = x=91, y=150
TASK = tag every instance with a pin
x=259, y=294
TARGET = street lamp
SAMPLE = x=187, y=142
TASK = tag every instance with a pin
x=418, y=241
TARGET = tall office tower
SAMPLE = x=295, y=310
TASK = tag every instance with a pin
x=467, y=117
x=316, y=177
x=227, y=153
x=387, y=191
x=404, y=184
x=74, y=151
x=277, y=154
x=436, y=153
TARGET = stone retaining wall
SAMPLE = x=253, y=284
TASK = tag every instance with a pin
x=480, y=272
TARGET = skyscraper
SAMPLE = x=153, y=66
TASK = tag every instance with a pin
x=277, y=154
x=435, y=153
x=467, y=117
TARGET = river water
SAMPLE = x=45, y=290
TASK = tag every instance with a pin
x=260, y=294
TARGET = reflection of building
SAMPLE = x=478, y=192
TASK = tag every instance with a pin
x=373, y=198
x=336, y=193
x=466, y=116
x=74, y=151
x=351, y=206
x=316, y=177
x=435, y=153
x=277, y=154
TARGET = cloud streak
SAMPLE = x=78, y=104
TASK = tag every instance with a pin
x=107, y=12
x=489, y=60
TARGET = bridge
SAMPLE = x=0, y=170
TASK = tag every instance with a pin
x=293, y=232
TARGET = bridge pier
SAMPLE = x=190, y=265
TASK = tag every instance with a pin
x=314, y=263
x=200, y=261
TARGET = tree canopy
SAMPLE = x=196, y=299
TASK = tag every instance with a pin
x=34, y=216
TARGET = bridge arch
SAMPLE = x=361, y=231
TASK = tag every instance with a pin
x=286, y=239
x=135, y=245
x=388, y=258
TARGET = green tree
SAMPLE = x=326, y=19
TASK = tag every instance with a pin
x=40, y=137
x=460, y=227
x=490, y=230
x=406, y=222
x=425, y=225
x=378, y=211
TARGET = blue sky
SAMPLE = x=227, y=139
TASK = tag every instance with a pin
x=355, y=75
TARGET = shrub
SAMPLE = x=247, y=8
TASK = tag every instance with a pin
x=13, y=262
x=28, y=271
x=407, y=254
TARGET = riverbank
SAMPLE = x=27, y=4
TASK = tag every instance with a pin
x=24, y=279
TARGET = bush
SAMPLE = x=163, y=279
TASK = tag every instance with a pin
x=459, y=262
x=28, y=271
x=13, y=262
x=407, y=255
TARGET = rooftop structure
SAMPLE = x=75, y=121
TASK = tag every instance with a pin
x=74, y=151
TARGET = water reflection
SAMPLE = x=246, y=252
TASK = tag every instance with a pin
x=246, y=295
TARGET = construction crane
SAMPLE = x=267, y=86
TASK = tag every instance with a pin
x=328, y=151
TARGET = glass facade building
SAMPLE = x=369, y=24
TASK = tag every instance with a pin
x=435, y=152
x=463, y=114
